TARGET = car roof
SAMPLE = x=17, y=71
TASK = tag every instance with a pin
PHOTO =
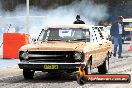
x=82, y=26
x=127, y=20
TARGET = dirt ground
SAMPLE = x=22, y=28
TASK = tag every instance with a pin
x=11, y=77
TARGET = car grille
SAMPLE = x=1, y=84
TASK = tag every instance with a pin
x=51, y=56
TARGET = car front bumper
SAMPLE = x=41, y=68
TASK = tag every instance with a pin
x=60, y=66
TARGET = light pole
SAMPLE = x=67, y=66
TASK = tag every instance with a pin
x=27, y=16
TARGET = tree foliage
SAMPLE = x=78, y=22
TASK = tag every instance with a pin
x=113, y=5
x=11, y=4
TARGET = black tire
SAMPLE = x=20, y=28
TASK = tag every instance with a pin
x=87, y=69
x=103, y=69
x=28, y=74
x=81, y=80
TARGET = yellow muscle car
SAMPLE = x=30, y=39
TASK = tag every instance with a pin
x=67, y=48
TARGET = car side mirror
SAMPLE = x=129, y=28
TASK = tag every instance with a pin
x=34, y=39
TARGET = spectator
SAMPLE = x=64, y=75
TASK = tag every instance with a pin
x=116, y=32
x=78, y=21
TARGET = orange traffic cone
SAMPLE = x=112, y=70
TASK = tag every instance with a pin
x=130, y=47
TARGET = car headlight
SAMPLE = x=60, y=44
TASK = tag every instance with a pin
x=25, y=55
x=78, y=56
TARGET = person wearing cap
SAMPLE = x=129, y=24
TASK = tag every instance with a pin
x=116, y=32
x=78, y=21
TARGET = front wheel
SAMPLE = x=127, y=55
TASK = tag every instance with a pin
x=103, y=69
x=81, y=80
x=28, y=74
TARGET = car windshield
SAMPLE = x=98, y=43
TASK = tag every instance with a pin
x=64, y=34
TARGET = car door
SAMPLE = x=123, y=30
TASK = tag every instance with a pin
x=103, y=45
x=98, y=47
x=94, y=48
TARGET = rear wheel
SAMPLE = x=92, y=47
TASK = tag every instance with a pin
x=28, y=74
x=87, y=69
x=103, y=69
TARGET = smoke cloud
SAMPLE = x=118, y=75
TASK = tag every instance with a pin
x=90, y=13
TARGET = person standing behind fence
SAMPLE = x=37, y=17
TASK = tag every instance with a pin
x=116, y=32
x=78, y=21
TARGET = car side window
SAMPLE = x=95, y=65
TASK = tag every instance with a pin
x=95, y=35
x=100, y=33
